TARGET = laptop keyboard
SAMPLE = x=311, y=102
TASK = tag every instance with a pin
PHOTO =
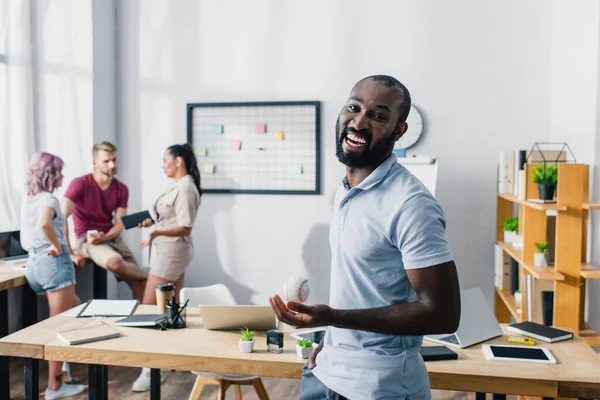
x=452, y=339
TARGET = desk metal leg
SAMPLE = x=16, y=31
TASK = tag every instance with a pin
x=29, y=306
x=4, y=367
x=479, y=396
x=98, y=382
x=155, y=384
x=32, y=379
x=99, y=282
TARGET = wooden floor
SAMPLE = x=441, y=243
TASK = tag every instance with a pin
x=178, y=385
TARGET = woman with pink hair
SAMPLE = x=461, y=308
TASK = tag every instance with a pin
x=50, y=271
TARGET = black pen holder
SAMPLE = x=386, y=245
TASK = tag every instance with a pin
x=176, y=317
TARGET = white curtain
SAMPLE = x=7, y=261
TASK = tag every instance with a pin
x=63, y=83
x=46, y=66
x=16, y=112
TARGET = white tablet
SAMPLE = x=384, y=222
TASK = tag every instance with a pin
x=315, y=335
x=518, y=353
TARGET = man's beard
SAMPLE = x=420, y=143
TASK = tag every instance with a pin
x=370, y=157
x=109, y=174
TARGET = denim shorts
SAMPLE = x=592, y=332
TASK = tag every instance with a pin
x=46, y=273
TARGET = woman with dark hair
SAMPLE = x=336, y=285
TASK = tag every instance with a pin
x=50, y=271
x=174, y=213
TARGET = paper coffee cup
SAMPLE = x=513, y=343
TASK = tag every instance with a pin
x=164, y=293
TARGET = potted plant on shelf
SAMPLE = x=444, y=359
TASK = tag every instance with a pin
x=304, y=348
x=546, y=177
x=511, y=226
x=539, y=257
x=518, y=297
x=247, y=341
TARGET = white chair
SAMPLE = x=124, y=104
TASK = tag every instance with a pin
x=219, y=294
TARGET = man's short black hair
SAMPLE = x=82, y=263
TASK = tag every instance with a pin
x=392, y=82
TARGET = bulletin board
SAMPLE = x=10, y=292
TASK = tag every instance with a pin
x=256, y=148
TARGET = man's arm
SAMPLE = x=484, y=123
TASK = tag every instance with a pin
x=436, y=311
x=117, y=228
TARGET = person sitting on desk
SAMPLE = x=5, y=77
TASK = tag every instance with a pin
x=92, y=199
x=393, y=278
x=175, y=212
x=50, y=272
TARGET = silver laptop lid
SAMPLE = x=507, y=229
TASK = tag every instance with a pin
x=477, y=322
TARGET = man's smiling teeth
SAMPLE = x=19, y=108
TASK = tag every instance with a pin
x=356, y=138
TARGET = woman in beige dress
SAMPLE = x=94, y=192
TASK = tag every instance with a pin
x=174, y=212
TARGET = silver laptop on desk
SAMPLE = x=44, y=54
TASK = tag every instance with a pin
x=222, y=317
x=477, y=322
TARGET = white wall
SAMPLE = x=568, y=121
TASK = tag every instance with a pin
x=480, y=71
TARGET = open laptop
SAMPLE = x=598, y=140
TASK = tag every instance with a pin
x=221, y=317
x=477, y=322
x=11, y=250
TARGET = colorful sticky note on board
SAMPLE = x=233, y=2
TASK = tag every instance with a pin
x=201, y=152
x=260, y=128
x=299, y=169
x=235, y=144
x=210, y=168
x=217, y=129
x=279, y=135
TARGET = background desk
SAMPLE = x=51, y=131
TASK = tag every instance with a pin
x=13, y=278
x=196, y=349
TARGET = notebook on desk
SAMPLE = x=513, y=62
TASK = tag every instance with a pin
x=541, y=332
x=142, y=320
x=88, y=333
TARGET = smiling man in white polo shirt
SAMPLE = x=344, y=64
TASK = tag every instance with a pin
x=393, y=278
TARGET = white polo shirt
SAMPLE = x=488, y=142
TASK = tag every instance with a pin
x=387, y=224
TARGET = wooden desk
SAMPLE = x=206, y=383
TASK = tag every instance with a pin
x=577, y=373
x=12, y=278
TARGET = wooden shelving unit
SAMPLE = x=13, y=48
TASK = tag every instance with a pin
x=547, y=273
x=534, y=205
x=567, y=278
x=591, y=206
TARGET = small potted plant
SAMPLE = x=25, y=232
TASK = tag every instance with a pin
x=539, y=257
x=304, y=348
x=546, y=177
x=518, y=297
x=247, y=341
x=511, y=226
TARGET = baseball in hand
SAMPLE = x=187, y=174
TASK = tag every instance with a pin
x=296, y=289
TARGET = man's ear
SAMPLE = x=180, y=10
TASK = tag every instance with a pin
x=401, y=131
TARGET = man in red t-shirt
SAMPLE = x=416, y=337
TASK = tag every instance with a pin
x=92, y=199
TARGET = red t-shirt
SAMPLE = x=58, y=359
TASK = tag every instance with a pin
x=94, y=207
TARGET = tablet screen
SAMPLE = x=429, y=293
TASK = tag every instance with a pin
x=519, y=353
x=314, y=337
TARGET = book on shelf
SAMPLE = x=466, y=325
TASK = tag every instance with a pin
x=538, y=331
x=88, y=333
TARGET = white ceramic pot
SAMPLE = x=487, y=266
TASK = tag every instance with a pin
x=246, y=347
x=539, y=259
x=518, y=296
x=303, y=352
x=510, y=237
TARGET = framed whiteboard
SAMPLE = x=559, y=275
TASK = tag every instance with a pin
x=257, y=148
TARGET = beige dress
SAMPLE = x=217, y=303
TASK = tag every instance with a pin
x=176, y=207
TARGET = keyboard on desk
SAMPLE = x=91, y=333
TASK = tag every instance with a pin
x=450, y=339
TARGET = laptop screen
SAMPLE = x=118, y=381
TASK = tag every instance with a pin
x=10, y=246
